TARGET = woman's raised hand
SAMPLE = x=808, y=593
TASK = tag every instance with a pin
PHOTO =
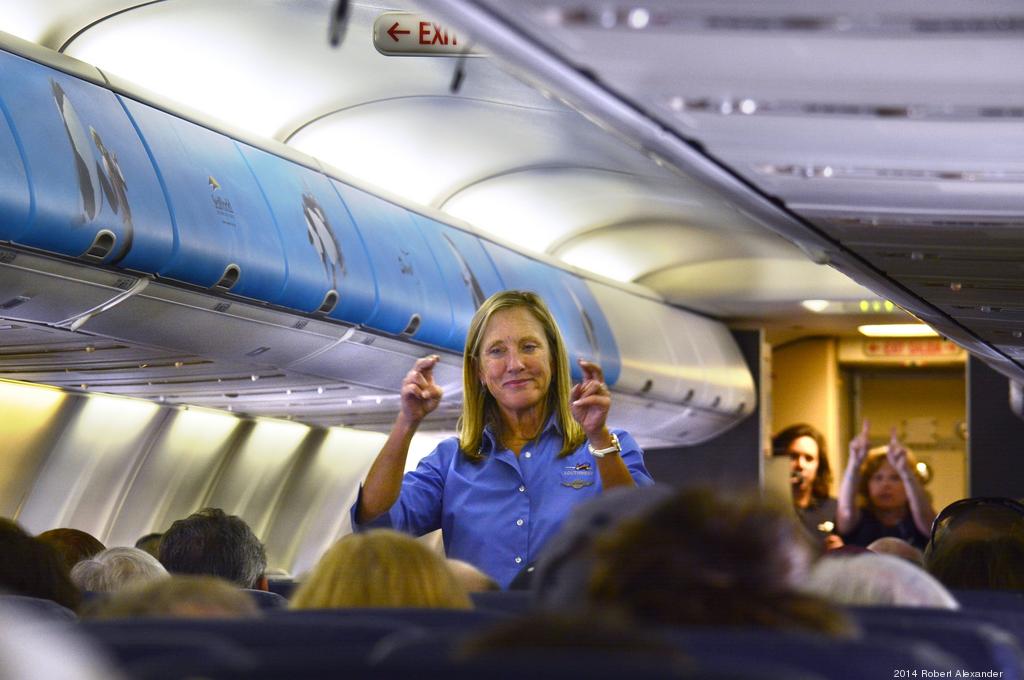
x=896, y=454
x=591, y=399
x=420, y=394
x=859, y=445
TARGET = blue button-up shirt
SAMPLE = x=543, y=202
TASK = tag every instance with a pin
x=497, y=514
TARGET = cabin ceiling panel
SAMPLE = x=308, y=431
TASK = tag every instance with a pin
x=430, y=148
x=743, y=287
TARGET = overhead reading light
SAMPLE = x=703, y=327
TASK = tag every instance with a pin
x=816, y=306
x=898, y=330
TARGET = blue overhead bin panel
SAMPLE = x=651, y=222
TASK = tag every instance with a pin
x=468, y=272
x=584, y=327
x=226, y=235
x=94, y=190
x=15, y=201
x=323, y=250
x=412, y=298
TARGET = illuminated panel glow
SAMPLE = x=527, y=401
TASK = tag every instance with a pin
x=27, y=415
x=898, y=330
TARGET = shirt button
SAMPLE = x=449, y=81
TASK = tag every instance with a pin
x=519, y=522
x=522, y=489
x=527, y=454
x=519, y=560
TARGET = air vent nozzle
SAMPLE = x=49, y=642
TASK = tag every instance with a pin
x=101, y=246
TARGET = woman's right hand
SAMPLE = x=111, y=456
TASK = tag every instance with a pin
x=859, y=446
x=420, y=394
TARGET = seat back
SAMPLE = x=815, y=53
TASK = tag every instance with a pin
x=979, y=643
x=832, y=658
x=45, y=608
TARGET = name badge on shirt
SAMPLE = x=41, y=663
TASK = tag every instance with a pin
x=578, y=476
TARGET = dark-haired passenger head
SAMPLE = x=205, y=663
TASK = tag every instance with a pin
x=214, y=543
x=30, y=567
x=150, y=543
x=707, y=559
x=74, y=545
x=978, y=544
x=805, y=446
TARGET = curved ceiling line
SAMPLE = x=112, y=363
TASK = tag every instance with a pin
x=683, y=265
x=627, y=223
x=79, y=32
x=443, y=201
x=288, y=137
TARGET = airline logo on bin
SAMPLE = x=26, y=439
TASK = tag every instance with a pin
x=221, y=203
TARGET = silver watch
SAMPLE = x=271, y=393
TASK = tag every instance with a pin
x=616, y=447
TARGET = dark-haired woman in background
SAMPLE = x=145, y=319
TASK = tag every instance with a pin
x=810, y=478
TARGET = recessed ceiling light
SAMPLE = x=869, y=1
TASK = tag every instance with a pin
x=817, y=306
x=898, y=330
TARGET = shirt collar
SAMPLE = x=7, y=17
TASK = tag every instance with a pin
x=488, y=442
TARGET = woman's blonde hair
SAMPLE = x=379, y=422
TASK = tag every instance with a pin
x=380, y=568
x=479, y=407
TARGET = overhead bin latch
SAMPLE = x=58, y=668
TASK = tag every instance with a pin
x=101, y=246
x=329, y=303
x=75, y=322
x=229, y=278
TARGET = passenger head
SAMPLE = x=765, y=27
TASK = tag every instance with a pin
x=72, y=544
x=471, y=578
x=214, y=543
x=205, y=597
x=805, y=447
x=33, y=568
x=483, y=397
x=890, y=545
x=978, y=544
x=380, y=568
x=561, y=579
x=880, y=486
x=150, y=543
x=872, y=579
x=707, y=559
x=115, y=569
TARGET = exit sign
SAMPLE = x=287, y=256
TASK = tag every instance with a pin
x=402, y=34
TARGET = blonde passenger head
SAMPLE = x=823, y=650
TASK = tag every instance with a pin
x=380, y=568
x=180, y=596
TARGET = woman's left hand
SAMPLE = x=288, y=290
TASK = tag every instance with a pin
x=591, y=399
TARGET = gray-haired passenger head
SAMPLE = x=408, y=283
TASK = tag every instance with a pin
x=115, y=568
x=873, y=579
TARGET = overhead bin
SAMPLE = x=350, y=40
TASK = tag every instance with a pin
x=94, y=193
x=412, y=296
x=328, y=270
x=469, y=274
x=655, y=365
x=582, y=321
x=225, y=237
x=49, y=290
x=726, y=372
x=15, y=200
x=162, y=315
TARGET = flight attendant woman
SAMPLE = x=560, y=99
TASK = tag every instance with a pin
x=529, y=446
